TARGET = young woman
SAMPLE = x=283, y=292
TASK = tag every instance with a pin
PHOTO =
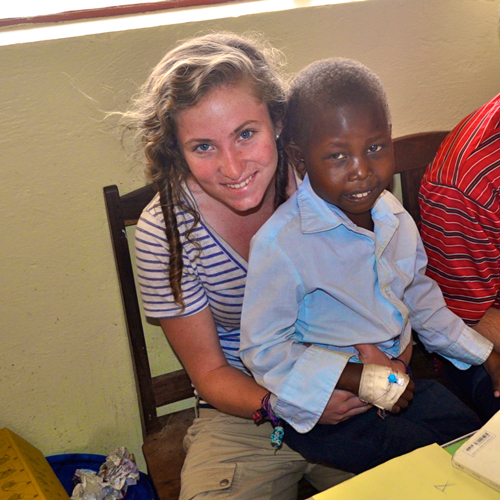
x=209, y=119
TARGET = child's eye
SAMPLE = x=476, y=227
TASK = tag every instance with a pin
x=338, y=156
x=375, y=148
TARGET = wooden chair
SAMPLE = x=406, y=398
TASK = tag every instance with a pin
x=163, y=435
x=413, y=153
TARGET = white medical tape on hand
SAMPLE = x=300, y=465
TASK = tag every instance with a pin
x=381, y=386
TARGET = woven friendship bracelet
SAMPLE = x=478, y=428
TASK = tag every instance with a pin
x=265, y=413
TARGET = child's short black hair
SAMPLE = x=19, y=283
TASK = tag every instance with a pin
x=330, y=83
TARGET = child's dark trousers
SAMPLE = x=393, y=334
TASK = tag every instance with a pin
x=474, y=384
x=434, y=416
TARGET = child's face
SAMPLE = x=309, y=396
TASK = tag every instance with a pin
x=349, y=158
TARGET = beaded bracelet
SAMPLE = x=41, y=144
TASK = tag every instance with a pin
x=265, y=413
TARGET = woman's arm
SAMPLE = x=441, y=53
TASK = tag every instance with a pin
x=196, y=342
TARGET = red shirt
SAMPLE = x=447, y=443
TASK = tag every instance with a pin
x=460, y=209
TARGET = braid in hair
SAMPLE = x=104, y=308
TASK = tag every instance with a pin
x=281, y=175
x=173, y=239
x=172, y=196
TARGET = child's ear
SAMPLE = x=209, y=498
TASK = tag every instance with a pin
x=296, y=158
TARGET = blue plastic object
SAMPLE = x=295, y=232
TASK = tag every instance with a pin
x=65, y=466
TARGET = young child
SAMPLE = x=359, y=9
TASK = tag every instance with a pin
x=339, y=264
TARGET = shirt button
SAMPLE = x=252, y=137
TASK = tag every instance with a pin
x=224, y=482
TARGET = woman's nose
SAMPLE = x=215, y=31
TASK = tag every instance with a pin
x=232, y=165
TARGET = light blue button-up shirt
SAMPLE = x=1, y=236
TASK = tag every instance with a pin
x=316, y=277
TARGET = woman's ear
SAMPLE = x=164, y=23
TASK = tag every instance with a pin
x=278, y=128
x=296, y=159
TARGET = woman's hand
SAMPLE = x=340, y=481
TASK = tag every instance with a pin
x=371, y=354
x=341, y=406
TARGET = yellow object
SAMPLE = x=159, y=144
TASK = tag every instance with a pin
x=423, y=474
x=25, y=473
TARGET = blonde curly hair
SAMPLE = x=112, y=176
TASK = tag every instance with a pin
x=179, y=81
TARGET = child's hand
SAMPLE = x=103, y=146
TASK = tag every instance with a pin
x=405, y=398
x=492, y=366
x=384, y=388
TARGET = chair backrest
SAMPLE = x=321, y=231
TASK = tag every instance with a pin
x=413, y=153
x=154, y=392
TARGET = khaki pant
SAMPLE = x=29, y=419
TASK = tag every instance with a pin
x=231, y=457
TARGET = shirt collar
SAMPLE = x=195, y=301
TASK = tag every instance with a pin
x=317, y=215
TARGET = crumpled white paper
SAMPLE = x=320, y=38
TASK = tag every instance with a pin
x=115, y=475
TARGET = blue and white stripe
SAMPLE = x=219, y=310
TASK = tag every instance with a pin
x=214, y=276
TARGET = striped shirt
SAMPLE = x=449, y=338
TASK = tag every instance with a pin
x=460, y=208
x=214, y=276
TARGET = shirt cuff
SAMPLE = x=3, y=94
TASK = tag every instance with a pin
x=310, y=386
x=471, y=348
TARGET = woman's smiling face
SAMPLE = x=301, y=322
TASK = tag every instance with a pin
x=228, y=141
x=349, y=158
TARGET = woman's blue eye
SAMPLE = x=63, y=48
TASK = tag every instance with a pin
x=246, y=134
x=203, y=147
